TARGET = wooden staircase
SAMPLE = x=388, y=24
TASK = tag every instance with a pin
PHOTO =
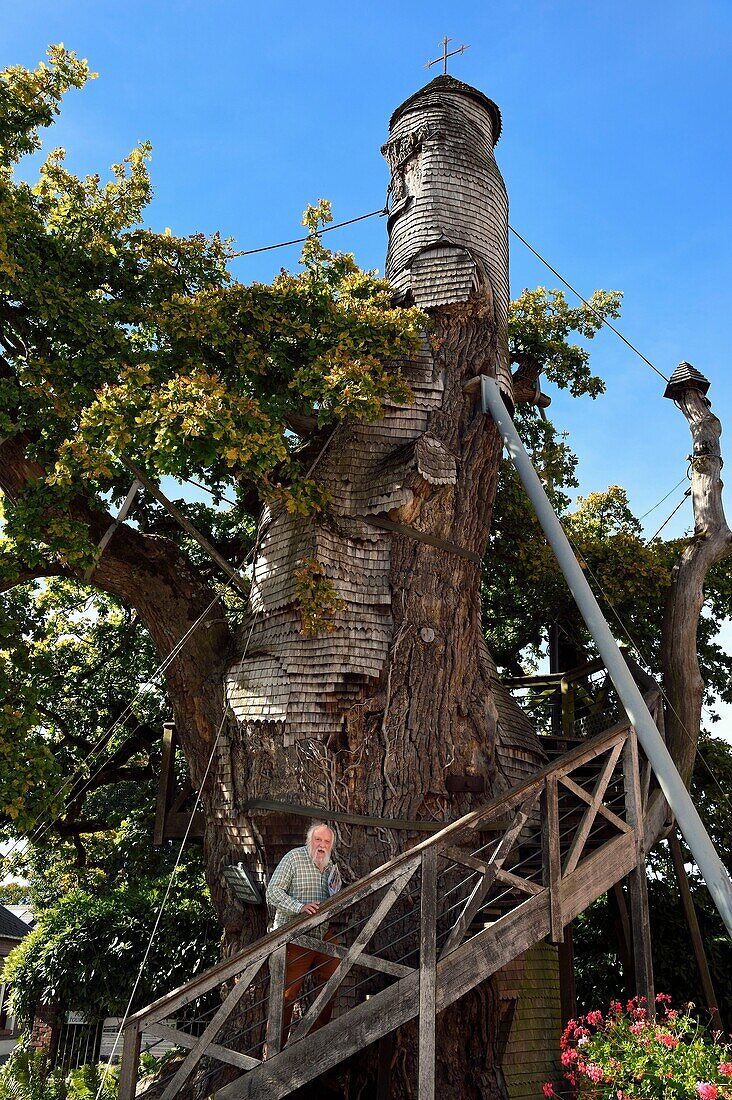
x=423, y=930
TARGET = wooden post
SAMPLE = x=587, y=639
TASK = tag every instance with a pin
x=383, y=1080
x=552, y=860
x=621, y=919
x=567, y=984
x=428, y=975
x=166, y=785
x=687, y=904
x=637, y=878
x=567, y=690
x=130, y=1062
x=277, y=973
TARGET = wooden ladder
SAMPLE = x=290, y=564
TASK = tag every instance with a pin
x=423, y=930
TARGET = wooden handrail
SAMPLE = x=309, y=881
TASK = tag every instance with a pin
x=381, y=876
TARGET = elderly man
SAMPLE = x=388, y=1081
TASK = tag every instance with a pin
x=302, y=881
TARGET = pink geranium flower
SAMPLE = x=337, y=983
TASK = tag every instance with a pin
x=669, y=1041
x=548, y=1089
x=725, y=1068
x=706, y=1090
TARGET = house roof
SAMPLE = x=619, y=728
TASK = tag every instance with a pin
x=12, y=927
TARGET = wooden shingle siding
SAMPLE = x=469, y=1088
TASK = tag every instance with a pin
x=448, y=232
x=532, y=1050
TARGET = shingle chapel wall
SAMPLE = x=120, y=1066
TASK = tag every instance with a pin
x=448, y=240
x=448, y=244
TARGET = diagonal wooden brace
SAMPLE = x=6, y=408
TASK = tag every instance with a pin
x=354, y=952
x=204, y=1043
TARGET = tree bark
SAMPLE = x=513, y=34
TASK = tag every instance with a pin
x=429, y=713
x=711, y=543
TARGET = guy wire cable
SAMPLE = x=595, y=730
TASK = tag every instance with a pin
x=602, y=319
x=161, y=910
x=317, y=233
x=668, y=519
x=226, y=710
x=660, y=502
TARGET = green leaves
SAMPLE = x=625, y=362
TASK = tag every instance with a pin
x=115, y=340
x=30, y=100
x=54, y=962
x=540, y=323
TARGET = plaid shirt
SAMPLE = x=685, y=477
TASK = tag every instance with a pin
x=296, y=882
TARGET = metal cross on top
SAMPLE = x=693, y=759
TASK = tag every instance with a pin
x=445, y=54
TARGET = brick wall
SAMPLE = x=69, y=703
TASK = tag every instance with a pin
x=44, y=1033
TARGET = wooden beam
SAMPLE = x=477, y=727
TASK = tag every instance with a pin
x=493, y=866
x=155, y=491
x=204, y=1042
x=567, y=983
x=130, y=1063
x=337, y=951
x=637, y=882
x=616, y=899
x=585, y=796
x=687, y=904
x=427, y=976
x=552, y=858
x=588, y=820
x=385, y=1054
x=352, y=957
x=275, y=1013
x=166, y=783
x=524, y=885
x=214, y=1050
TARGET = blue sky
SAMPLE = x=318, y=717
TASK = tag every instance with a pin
x=615, y=152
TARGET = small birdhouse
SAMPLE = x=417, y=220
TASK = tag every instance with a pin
x=685, y=377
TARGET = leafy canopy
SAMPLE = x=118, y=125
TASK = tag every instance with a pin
x=116, y=341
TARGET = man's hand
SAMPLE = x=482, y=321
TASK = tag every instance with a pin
x=311, y=908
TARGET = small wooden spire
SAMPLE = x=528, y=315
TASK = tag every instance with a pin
x=685, y=377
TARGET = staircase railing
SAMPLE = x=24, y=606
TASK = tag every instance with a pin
x=416, y=933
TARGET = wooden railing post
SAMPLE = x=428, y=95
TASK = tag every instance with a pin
x=638, y=884
x=692, y=922
x=277, y=972
x=130, y=1062
x=428, y=975
x=552, y=859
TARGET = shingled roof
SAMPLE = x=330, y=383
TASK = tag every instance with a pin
x=12, y=927
x=448, y=83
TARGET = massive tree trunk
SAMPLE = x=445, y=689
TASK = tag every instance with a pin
x=374, y=717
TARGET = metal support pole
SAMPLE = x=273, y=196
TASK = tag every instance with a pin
x=669, y=780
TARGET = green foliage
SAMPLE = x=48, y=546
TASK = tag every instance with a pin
x=61, y=962
x=626, y=1055
x=27, y=1076
x=118, y=341
x=70, y=662
x=315, y=598
x=540, y=324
